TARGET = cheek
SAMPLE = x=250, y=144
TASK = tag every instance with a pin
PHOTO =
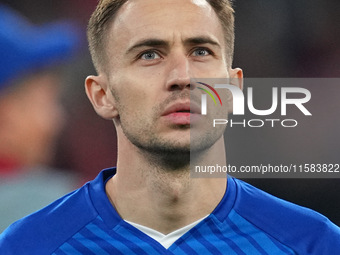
x=213, y=69
x=135, y=96
x=139, y=104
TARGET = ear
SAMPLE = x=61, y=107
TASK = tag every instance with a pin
x=99, y=94
x=236, y=77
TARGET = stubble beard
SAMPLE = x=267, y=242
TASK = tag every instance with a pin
x=167, y=153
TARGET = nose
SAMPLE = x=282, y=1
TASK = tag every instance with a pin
x=179, y=73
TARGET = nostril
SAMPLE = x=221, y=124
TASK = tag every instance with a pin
x=176, y=86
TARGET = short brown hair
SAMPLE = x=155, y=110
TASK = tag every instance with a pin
x=107, y=9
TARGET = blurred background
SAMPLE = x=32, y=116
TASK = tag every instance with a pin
x=292, y=39
x=277, y=38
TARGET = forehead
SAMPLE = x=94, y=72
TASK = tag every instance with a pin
x=164, y=19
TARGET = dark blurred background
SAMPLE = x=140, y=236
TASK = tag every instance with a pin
x=277, y=38
x=301, y=39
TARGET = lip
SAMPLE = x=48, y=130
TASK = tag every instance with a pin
x=182, y=107
x=181, y=113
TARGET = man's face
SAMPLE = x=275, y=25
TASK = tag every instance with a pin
x=154, y=48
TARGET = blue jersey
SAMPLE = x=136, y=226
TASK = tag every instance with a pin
x=246, y=221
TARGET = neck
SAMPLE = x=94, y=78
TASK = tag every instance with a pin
x=164, y=199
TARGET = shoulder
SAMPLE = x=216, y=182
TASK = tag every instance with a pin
x=301, y=228
x=43, y=231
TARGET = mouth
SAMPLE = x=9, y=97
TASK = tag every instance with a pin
x=181, y=113
x=182, y=108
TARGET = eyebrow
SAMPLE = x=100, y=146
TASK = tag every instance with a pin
x=152, y=42
x=148, y=43
x=201, y=40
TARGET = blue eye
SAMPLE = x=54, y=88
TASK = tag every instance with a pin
x=201, y=52
x=150, y=55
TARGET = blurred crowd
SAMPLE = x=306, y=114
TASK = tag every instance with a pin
x=52, y=141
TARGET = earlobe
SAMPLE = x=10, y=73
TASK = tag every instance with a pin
x=97, y=90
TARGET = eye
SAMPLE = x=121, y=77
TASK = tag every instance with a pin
x=150, y=55
x=201, y=52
